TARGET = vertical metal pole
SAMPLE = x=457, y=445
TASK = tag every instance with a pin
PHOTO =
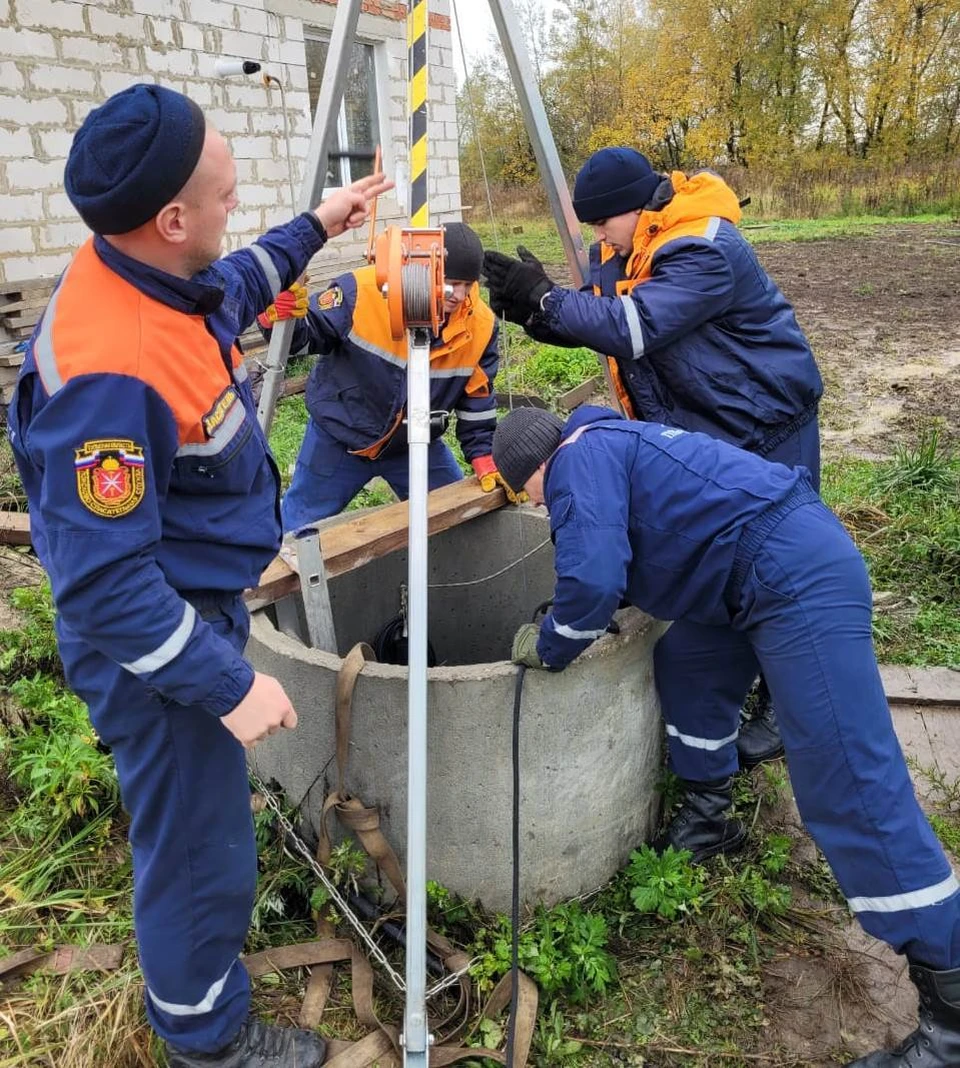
x=415, y=1025
x=545, y=151
x=538, y=129
x=416, y=1041
x=324, y=124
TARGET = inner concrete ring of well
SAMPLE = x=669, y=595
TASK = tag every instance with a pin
x=590, y=736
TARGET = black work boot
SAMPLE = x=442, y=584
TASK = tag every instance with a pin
x=258, y=1045
x=759, y=739
x=700, y=824
x=936, y=1042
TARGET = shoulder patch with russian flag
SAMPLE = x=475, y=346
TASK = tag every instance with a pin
x=110, y=476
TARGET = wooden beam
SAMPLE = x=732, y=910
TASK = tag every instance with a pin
x=370, y=535
x=346, y=545
x=14, y=528
x=573, y=398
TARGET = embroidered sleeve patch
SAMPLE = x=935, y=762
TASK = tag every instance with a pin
x=110, y=476
x=330, y=298
x=222, y=406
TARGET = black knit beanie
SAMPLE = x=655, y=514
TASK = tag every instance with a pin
x=132, y=155
x=464, y=253
x=524, y=440
x=612, y=182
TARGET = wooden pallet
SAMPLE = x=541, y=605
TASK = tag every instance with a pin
x=22, y=304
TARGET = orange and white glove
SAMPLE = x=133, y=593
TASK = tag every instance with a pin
x=489, y=477
x=292, y=303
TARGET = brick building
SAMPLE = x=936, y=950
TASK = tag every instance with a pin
x=60, y=58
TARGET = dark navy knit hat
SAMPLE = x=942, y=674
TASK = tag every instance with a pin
x=131, y=156
x=524, y=440
x=613, y=181
x=464, y=253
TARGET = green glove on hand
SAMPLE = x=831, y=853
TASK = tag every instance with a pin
x=525, y=646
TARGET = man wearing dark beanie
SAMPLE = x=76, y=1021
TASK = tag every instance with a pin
x=153, y=505
x=696, y=335
x=357, y=394
x=687, y=527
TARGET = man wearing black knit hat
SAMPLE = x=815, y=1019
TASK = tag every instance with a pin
x=357, y=393
x=696, y=336
x=687, y=527
x=152, y=507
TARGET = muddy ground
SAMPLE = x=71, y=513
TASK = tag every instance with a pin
x=883, y=317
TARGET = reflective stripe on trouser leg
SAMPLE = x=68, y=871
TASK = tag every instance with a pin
x=703, y=674
x=183, y=780
x=806, y=608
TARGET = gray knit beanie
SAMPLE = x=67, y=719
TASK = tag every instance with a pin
x=524, y=440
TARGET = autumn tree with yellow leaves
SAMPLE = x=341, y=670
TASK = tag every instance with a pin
x=778, y=86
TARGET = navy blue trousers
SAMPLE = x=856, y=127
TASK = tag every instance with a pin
x=802, y=615
x=706, y=696
x=327, y=477
x=183, y=781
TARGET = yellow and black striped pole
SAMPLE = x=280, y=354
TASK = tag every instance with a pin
x=417, y=73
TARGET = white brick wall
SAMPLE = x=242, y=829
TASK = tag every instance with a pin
x=61, y=58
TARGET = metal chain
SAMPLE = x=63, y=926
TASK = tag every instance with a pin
x=442, y=984
x=450, y=980
x=330, y=887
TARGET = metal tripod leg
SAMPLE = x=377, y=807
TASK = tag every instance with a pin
x=324, y=124
x=545, y=150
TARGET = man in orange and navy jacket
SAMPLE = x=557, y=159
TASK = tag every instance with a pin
x=357, y=393
x=697, y=336
x=154, y=502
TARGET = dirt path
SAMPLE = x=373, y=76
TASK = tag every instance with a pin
x=857, y=995
x=883, y=317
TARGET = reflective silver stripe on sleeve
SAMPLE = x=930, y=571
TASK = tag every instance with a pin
x=43, y=346
x=577, y=635
x=711, y=745
x=270, y=271
x=452, y=372
x=375, y=350
x=171, y=648
x=474, y=417
x=633, y=322
x=712, y=227
x=232, y=424
x=913, y=899
x=203, y=1006
x=240, y=374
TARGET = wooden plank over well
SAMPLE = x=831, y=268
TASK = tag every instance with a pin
x=370, y=535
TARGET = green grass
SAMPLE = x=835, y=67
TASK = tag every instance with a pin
x=904, y=515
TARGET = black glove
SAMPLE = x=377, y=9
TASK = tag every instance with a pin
x=516, y=286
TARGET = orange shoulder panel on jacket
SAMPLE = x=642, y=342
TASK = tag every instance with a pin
x=104, y=325
x=371, y=319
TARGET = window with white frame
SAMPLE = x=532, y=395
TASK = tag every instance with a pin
x=358, y=124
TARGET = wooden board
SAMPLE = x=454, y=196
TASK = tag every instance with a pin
x=14, y=528
x=345, y=545
x=366, y=537
x=573, y=398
